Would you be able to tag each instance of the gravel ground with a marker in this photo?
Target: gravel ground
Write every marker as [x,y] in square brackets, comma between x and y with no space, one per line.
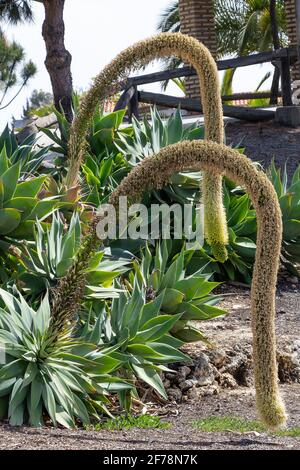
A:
[228,331]
[265,141]
[181,436]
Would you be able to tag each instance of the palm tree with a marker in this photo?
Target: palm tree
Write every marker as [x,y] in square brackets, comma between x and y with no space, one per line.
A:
[242,27]
[58,59]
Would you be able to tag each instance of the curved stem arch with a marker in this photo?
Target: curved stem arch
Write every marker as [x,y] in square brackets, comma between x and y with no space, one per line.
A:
[106,83]
[154,173]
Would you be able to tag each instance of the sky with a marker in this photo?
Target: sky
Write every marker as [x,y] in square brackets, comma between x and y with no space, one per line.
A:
[94,34]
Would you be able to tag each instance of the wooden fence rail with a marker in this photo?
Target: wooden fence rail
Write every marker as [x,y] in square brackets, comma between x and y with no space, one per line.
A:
[283,58]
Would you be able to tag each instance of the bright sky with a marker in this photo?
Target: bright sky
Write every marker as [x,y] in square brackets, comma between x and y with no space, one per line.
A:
[96,30]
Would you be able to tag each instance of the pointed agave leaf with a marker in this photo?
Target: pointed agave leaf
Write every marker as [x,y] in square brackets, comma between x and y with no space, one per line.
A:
[174,273]
[30,374]
[169,353]
[42,317]
[35,392]
[43,209]
[143,351]
[49,401]
[6,386]
[4,162]
[172,299]
[17,396]
[63,418]
[190,335]
[80,410]
[151,377]
[194,287]
[156,328]
[24,205]
[9,220]
[35,413]
[151,309]
[30,188]
[17,416]
[175,128]
[10,179]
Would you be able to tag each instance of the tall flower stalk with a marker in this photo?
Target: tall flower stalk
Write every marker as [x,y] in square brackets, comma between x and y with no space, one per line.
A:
[154,172]
[191,51]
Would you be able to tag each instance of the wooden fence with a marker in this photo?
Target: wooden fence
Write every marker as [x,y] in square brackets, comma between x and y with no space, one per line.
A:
[281,58]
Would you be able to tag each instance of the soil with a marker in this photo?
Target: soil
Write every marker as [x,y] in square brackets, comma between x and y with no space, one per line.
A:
[234,329]
[264,142]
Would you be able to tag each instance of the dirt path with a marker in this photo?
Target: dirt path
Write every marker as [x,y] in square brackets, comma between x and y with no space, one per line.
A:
[225,332]
[181,436]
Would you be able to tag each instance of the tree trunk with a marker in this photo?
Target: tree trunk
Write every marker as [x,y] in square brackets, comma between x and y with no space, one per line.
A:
[58,59]
[276,44]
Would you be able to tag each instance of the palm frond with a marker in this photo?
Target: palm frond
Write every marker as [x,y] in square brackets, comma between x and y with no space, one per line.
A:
[169,21]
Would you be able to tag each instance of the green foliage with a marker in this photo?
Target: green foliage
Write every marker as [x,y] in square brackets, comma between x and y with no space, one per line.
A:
[40,104]
[140,337]
[66,379]
[125,422]
[20,205]
[241,219]
[289,200]
[149,138]
[28,155]
[188,298]
[227,423]
[53,253]
[134,316]
[241,425]
[102,133]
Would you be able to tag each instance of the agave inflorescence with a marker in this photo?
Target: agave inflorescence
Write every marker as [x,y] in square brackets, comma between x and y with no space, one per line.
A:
[155,172]
[148,138]
[143,52]
[242,228]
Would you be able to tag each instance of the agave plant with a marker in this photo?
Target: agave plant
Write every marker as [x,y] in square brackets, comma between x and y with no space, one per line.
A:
[187,296]
[65,380]
[29,156]
[53,253]
[20,205]
[140,334]
[241,219]
[289,200]
[102,133]
[148,139]
[102,176]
